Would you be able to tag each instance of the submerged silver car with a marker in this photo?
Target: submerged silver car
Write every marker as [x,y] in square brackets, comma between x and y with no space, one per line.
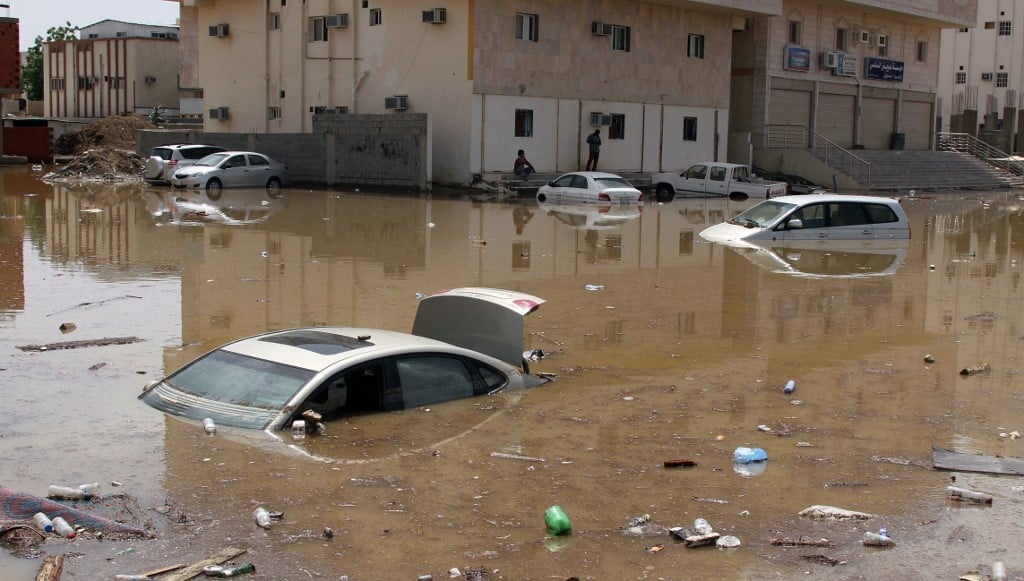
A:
[464,342]
[232,169]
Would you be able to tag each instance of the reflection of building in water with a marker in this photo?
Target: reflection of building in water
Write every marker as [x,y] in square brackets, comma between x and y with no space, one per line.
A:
[13,217]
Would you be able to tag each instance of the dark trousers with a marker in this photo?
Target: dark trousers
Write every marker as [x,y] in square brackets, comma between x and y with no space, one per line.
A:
[592,161]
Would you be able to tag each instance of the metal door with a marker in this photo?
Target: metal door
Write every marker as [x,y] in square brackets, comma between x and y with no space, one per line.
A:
[835,118]
[876,122]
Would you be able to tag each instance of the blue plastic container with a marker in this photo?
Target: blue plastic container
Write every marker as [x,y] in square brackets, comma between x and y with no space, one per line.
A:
[744,455]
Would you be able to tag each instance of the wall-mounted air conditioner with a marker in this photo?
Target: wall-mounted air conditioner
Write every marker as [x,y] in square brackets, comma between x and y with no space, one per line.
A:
[600,28]
[336,21]
[435,16]
[830,60]
[150,79]
[220,113]
[986,76]
[397,103]
[595,119]
[219,30]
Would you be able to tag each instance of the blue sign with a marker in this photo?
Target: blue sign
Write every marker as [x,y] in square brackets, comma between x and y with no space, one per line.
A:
[797,58]
[883,69]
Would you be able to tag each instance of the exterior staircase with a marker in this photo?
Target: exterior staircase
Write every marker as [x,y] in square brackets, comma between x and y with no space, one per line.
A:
[901,170]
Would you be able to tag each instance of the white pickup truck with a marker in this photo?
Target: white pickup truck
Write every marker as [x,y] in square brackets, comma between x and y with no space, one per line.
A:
[715,179]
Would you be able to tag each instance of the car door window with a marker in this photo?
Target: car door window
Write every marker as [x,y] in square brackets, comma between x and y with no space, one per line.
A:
[234,161]
[352,392]
[846,214]
[258,160]
[563,182]
[718,174]
[697,172]
[812,216]
[431,379]
[579,182]
[880,214]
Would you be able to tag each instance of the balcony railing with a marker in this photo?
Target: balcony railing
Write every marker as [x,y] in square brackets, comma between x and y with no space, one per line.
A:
[966,143]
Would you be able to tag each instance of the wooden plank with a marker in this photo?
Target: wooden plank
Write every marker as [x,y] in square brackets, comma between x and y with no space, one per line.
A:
[163,570]
[196,569]
[79,344]
[943,459]
[51,569]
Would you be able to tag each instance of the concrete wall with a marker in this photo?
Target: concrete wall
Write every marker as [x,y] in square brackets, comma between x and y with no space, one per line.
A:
[375,150]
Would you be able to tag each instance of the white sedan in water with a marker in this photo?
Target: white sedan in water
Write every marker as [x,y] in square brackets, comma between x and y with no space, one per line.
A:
[232,169]
[589,186]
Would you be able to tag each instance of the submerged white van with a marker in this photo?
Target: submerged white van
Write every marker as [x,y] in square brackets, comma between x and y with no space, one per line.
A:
[818,217]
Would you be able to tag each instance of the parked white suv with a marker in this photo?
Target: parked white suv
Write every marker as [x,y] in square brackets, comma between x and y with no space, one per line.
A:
[164,160]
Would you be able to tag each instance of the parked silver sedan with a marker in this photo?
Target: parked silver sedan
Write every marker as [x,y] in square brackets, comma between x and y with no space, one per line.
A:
[232,169]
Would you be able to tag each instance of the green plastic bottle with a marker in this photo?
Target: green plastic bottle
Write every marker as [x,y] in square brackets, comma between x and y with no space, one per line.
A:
[235,571]
[558,523]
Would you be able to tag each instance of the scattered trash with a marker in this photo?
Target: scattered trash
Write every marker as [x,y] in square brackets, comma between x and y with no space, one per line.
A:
[790,387]
[328,533]
[764,428]
[67,327]
[655,549]
[62,528]
[967,495]
[208,426]
[454,572]
[680,463]
[312,416]
[132,578]
[533,355]
[299,429]
[557,521]
[824,560]
[593,287]
[229,571]
[427,577]
[96,366]
[943,459]
[832,512]
[43,522]
[262,517]
[751,469]
[845,484]
[975,369]
[727,542]
[714,500]
[639,520]
[421,296]
[804,445]
[797,402]
[516,457]
[1014,435]
[744,455]
[929,358]
[998,571]
[264,254]
[877,540]
[972,576]
[702,527]
[693,540]
[125,551]
[802,542]
[67,493]
[92,488]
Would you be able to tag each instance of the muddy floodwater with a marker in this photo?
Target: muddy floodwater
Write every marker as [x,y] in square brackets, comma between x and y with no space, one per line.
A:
[680,352]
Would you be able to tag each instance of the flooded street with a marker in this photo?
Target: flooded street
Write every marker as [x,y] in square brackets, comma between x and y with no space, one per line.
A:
[681,352]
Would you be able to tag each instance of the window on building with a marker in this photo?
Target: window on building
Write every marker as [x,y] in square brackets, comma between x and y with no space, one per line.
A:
[963,29]
[57,84]
[526,27]
[1002,79]
[85,83]
[689,129]
[273,113]
[990,25]
[794,31]
[922,51]
[318,29]
[841,39]
[620,38]
[376,17]
[274,21]
[117,82]
[618,127]
[524,122]
[883,45]
[93,35]
[1005,27]
[695,46]
[961,78]
[123,34]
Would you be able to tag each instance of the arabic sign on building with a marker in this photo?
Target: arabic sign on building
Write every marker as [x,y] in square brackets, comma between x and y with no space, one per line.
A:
[883,69]
[846,65]
[797,58]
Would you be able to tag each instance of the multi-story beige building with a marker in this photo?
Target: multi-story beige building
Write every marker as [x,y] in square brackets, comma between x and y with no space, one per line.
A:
[853,72]
[113,68]
[494,76]
[982,63]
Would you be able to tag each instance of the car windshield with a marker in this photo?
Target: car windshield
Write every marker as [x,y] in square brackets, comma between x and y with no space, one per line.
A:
[763,215]
[212,159]
[612,183]
[227,377]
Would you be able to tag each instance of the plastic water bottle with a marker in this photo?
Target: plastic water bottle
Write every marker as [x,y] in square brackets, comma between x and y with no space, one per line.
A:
[883,531]
[877,540]
[790,386]
[234,571]
[92,488]
[743,455]
[67,493]
[262,517]
[62,528]
[132,578]
[998,571]
[702,527]
[43,522]
[208,426]
[556,521]
[593,287]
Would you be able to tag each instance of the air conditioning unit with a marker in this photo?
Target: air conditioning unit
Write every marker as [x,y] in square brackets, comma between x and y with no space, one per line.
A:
[435,16]
[150,79]
[335,110]
[600,28]
[862,36]
[397,103]
[219,30]
[882,40]
[220,113]
[606,119]
[336,21]
[986,76]
[595,119]
[830,60]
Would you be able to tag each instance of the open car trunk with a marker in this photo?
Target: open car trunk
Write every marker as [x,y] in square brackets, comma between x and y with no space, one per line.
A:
[486,320]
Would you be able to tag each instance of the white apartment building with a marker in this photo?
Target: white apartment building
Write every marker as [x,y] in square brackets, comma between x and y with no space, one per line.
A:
[982,63]
[113,68]
[494,77]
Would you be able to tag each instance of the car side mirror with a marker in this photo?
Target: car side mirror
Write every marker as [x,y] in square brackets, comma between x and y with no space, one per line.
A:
[795,224]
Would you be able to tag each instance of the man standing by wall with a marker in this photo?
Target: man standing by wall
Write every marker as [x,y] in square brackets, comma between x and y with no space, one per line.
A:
[594,141]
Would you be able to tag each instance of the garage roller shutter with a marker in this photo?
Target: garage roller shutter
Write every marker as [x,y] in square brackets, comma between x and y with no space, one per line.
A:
[788,107]
[835,118]
[916,122]
[876,123]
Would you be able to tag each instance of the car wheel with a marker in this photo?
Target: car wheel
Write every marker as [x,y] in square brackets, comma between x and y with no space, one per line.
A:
[274,185]
[213,189]
[542,197]
[738,196]
[664,193]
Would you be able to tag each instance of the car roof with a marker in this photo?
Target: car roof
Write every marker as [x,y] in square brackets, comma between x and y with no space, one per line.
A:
[317,348]
[805,199]
[235,152]
[185,146]
[593,174]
